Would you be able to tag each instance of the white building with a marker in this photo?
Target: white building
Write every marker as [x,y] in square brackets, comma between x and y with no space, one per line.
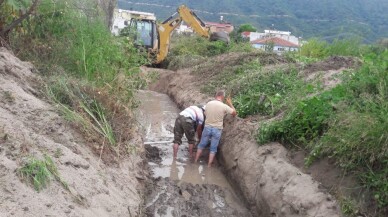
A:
[280,40]
[122,19]
[278,45]
[270,34]
[184,29]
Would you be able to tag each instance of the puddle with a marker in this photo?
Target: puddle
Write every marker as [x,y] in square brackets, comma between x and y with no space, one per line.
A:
[180,187]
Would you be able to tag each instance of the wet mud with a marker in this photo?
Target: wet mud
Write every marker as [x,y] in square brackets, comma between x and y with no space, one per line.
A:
[179,187]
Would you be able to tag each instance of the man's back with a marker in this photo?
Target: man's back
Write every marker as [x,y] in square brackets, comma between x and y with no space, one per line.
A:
[215,112]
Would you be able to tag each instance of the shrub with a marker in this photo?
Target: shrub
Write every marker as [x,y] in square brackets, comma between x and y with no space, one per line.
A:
[314,49]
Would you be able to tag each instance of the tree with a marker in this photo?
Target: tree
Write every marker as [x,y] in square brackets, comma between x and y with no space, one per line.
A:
[246,28]
[269,46]
[108,7]
[13,13]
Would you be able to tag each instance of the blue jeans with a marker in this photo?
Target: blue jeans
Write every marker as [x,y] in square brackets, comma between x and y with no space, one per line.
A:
[211,134]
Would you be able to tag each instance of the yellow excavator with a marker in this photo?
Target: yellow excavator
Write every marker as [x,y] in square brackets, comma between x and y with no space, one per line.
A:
[155,37]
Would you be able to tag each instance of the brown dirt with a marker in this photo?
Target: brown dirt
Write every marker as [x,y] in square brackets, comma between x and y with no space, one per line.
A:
[332,63]
[335,180]
[30,126]
[328,71]
[229,59]
[272,184]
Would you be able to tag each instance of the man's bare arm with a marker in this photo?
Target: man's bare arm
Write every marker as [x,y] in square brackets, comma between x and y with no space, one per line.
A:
[229,103]
[199,131]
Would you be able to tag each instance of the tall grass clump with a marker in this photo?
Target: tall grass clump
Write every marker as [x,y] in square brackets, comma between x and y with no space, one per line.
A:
[77,105]
[40,172]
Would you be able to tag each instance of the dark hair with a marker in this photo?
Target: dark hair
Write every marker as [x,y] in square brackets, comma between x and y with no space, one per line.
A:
[201,107]
[220,93]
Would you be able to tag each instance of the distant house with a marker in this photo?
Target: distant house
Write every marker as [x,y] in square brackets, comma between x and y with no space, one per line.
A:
[220,27]
[122,19]
[281,40]
[184,29]
[279,45]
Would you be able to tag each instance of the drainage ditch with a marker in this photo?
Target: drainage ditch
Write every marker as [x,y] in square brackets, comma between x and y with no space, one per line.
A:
[180,187]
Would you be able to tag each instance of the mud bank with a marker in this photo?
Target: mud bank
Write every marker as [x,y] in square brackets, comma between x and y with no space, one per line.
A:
[270,184]
[31,127]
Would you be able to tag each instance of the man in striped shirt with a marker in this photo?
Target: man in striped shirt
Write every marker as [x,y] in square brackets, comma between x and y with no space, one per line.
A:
[189,120]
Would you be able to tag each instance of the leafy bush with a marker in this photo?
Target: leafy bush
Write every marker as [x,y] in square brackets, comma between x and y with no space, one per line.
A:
[346,47]
[314,48]
[246,28]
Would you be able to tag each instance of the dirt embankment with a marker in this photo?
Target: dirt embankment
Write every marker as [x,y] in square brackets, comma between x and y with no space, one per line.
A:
[29,126]
[270,183]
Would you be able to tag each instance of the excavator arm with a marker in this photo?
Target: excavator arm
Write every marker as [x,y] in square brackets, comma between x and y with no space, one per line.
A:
[165,29]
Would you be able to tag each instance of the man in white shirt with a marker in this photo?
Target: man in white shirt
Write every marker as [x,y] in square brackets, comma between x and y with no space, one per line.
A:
[215,113]
[189,120]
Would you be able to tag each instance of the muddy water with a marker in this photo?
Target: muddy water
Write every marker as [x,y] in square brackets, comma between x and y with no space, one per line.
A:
[180,187]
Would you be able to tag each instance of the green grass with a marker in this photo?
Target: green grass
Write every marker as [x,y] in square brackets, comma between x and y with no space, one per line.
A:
[188,51]
[347,123]
[257,89]
[349,207]
[39,173]
[76,39]
[314,49]
[267,93]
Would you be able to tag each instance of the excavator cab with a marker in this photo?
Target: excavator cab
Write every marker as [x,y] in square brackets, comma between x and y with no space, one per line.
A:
[145,33]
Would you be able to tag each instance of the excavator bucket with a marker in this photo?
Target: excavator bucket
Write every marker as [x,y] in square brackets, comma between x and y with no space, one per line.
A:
[220,36]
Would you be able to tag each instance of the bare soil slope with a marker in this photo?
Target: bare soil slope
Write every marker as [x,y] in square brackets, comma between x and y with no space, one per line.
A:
[271,184]
[29,127]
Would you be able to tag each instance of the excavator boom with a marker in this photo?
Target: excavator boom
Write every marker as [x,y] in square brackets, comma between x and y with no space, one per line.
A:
[165,29]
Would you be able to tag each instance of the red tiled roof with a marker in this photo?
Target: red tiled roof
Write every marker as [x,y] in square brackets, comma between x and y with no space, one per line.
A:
[218,24]
[277,41]
[246,34]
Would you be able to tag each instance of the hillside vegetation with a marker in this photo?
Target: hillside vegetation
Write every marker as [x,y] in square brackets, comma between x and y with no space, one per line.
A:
[87,72]
[329,99]
[304,18]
